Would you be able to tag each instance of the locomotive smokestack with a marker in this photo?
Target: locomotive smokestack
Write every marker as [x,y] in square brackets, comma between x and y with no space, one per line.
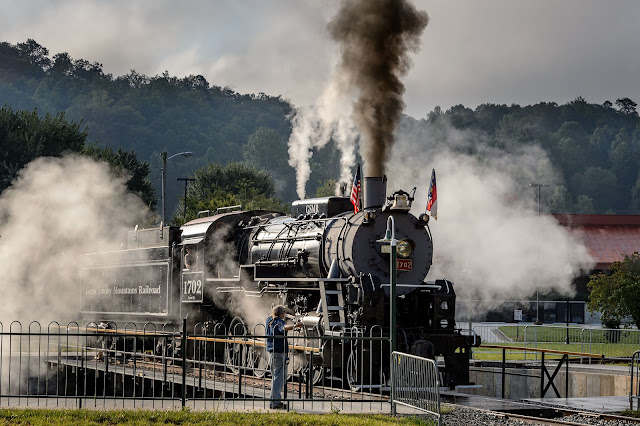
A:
[375,192]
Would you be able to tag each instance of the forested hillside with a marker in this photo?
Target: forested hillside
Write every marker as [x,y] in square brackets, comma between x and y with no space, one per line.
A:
[595,148]
[147,114]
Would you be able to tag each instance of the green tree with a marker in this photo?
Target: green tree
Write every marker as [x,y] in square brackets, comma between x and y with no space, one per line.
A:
[617,294]
[326,189]
[25,136]
[268,150]
[217,186]
[598,184]
[560,201]
[125,164]
[584,205]
[570,147]
[627,106]
[635,195]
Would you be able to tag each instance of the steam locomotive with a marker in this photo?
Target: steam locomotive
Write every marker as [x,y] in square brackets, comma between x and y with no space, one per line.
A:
[328,265]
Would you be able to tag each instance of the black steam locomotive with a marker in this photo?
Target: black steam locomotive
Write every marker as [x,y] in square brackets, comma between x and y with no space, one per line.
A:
[328,265]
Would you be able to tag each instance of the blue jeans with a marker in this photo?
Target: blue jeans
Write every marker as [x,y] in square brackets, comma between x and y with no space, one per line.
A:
[278,373]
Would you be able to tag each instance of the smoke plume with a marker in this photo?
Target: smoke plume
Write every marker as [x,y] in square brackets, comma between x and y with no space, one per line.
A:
[375,37]
[55,211]
[362,101]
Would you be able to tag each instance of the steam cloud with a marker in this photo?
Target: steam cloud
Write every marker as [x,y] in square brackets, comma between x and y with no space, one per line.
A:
[251,310]
[57,210]
[488,238]
[365,92]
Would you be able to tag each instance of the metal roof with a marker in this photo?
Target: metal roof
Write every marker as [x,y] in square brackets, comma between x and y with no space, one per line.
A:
[607,237]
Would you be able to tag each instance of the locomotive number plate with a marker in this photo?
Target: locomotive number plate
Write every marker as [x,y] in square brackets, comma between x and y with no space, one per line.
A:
[404,264]
[192,286]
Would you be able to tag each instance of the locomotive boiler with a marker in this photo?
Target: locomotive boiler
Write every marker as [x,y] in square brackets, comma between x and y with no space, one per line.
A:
[329,265]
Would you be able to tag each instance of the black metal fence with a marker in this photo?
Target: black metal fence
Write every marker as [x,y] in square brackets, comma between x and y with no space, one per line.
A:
[634,388]
[209,366]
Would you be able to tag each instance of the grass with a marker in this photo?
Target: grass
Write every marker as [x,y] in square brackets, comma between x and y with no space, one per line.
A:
[48,417]
[595,342]
[631,413]
[559,334]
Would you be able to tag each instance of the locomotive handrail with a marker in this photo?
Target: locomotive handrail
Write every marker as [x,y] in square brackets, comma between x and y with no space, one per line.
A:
[297,222]
[279,279]
[219,210]
[287,261]
[252,341]
[434,286]
[287,238]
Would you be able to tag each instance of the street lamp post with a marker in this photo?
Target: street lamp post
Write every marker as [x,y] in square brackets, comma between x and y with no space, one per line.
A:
[164,179]
[539,186]
[390,238]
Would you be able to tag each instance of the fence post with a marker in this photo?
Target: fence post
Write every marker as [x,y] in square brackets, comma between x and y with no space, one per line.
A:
[184,362]
[393,383]
[542,376]
[81,374]
[504,365]
[524,338]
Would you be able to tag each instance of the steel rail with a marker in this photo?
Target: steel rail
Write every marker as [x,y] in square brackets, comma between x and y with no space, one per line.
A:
[553,421]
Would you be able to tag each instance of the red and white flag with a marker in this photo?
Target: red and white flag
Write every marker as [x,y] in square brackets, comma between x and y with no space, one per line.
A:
[356,191]
[432,201]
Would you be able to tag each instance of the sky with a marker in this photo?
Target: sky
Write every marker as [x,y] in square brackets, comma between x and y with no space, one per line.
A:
[472,52]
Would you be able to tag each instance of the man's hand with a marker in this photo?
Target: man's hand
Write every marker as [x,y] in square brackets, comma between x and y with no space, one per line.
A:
[292,326]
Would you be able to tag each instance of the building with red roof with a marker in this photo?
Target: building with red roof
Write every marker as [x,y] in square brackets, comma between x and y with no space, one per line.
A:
[607,237]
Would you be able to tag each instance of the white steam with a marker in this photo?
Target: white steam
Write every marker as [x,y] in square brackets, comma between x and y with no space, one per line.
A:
[56,210]
[252,311]
[488,238]
[314,127]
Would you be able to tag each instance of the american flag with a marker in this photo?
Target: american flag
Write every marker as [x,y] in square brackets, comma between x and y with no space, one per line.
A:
[355,192]
[432,201]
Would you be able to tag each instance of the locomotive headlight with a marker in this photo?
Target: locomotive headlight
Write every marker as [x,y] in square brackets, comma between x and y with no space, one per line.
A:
[404,248]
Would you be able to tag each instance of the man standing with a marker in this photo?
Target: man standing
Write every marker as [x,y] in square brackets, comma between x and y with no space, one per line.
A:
[278,348]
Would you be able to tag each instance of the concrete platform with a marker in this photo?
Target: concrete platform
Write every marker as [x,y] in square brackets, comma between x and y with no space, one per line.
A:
[602,404]
[523,380]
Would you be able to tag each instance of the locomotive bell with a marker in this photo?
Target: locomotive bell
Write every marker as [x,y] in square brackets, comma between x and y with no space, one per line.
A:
[401,201]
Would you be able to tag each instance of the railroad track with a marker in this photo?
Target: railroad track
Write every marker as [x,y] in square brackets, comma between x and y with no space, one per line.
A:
[464,415]
[219,377]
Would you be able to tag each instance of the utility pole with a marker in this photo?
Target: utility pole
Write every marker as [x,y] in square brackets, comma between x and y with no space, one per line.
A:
[539,186]
[164,157]
[186,182]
